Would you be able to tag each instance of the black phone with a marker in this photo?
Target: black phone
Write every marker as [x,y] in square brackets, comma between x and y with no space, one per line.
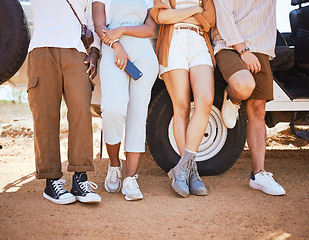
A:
[132,70]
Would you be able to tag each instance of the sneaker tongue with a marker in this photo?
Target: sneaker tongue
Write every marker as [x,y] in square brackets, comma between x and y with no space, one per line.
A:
[83,177]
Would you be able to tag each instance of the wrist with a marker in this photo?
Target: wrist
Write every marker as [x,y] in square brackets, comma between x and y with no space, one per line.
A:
[239,46]
[122,30]
[243,51]
[116,45]
[95,52]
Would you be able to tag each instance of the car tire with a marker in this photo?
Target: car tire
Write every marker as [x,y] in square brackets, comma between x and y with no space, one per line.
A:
[14,38]
[220,147]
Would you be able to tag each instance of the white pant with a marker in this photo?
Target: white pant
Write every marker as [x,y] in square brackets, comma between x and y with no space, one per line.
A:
[125,100]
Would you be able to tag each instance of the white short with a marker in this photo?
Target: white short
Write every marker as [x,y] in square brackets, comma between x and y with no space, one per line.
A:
[187,49]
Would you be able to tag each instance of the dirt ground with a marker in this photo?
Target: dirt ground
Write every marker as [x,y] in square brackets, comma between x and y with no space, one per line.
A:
[231,210]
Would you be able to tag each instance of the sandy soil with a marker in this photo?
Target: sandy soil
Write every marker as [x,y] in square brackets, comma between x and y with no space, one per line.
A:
[231,210]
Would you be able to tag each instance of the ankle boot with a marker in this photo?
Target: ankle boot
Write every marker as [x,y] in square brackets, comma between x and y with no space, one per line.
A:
[196,184]
[181,172]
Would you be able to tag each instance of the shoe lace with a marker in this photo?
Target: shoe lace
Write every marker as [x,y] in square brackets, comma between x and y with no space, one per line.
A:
[132,183]
[87,186]
[114,176]
[59,186]
[185,170]
[268,177]
[194,176]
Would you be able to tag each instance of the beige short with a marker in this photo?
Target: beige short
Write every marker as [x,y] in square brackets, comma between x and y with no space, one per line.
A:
[229,63]
[187,49]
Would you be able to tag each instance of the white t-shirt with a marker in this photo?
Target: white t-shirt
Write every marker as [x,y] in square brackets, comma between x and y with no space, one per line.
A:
[55,24]
[181,4]
[107,4]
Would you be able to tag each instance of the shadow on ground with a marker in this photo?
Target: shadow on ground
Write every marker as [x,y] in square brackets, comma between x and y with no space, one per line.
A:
[230,211]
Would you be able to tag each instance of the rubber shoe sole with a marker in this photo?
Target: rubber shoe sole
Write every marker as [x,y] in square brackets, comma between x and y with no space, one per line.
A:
[60,201]
[91,199]
[261,188]
[132,198]
[111,190]
[198,192]
[178,190]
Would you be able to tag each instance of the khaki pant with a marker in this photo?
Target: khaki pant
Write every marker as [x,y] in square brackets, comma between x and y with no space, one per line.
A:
[53,73]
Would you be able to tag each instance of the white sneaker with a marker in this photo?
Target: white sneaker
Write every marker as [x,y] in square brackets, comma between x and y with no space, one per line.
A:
[264,181]
[229,112]
[112,180]
[130,188]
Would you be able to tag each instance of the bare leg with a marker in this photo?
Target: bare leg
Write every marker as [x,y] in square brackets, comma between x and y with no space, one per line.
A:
[256,133]
[202,83]
[113,153]
[132,159]
[132,163]
[240,86]
[178,87]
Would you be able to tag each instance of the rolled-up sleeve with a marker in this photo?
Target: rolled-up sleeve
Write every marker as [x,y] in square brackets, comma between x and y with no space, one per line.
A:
[226,23]
[97,41]
[207,18]
[157,6]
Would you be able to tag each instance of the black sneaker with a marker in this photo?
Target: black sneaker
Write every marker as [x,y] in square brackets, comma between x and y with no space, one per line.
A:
[56,192]
[82,189]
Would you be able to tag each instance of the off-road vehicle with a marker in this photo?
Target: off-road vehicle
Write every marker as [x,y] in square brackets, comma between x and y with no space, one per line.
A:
[220,147]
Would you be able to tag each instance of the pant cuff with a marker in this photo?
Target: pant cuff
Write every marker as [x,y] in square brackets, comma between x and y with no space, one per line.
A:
[50,175]
[72,168]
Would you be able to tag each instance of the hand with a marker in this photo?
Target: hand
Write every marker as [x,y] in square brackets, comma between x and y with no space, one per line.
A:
[121,56]
[101,33]
[167,2]
[198,9]
[111,35]
[92,61]
[252,62]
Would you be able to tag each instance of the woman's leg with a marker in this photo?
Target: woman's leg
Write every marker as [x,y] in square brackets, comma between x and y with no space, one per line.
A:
[132,163]
[113,154]
[202,84]
[178,86]
[139,97]
[114,101]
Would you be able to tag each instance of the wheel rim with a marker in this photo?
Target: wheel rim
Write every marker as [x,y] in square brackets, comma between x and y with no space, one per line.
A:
[214,137]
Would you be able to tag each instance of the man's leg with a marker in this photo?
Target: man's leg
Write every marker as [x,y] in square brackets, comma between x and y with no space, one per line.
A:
[44,94]
[256,138]
[240,84]
[256,129]
[77,94]
[256,133]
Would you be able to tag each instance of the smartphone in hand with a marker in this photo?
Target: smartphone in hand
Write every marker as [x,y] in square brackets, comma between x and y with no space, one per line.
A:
[132,70]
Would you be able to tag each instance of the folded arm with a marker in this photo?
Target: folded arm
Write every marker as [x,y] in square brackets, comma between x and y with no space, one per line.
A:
[145,30]
[207,19]
[163,13]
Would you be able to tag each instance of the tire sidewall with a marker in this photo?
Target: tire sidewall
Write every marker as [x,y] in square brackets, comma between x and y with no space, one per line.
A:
[160,114]
[14,38]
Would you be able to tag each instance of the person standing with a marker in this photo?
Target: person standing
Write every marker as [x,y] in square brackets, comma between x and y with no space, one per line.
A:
[58,66]
[244,40]
[186,63]
[124,102]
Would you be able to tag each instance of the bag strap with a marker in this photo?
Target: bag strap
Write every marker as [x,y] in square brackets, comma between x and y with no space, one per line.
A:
[75,13]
